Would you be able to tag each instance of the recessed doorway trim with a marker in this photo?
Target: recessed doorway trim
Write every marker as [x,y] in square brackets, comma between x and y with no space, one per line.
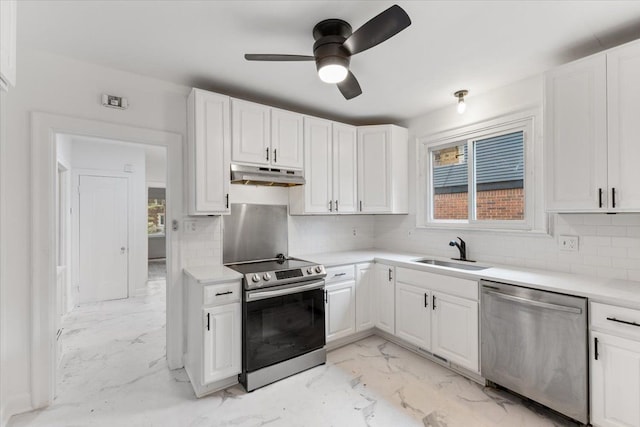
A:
[44,128]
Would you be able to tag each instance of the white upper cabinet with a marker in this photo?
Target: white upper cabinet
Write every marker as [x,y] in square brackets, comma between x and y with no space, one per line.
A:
[382,169]
[330,162]
[345,162]
[265,136]
[286,139]
[209,149]
[590,131]
[8,21]
[251,133]
[623,93]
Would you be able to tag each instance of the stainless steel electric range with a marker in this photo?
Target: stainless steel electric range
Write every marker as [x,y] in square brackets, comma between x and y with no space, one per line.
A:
[283,318]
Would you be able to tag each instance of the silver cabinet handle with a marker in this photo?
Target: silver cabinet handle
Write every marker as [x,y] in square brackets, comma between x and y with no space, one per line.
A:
[336,206]
[330,205]
[535,303]
[339,274]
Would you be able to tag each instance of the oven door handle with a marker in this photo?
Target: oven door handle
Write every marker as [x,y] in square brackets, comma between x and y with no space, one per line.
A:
[260,294]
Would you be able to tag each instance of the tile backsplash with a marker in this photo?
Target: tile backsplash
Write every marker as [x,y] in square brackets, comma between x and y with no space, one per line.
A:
[315,234]
[609,245]
[204,246]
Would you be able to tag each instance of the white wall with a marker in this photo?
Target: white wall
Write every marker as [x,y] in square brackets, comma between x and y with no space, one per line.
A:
[50,83]
[156,166]
[89,156]
[609,244]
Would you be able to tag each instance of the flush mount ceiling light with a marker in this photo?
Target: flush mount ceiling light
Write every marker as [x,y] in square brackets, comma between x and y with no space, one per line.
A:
[460,95]
[336,42]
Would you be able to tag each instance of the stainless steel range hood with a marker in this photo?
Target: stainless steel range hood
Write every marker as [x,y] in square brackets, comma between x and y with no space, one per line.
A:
[250,175]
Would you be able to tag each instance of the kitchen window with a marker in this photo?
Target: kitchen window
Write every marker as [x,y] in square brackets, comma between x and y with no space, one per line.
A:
[479,177]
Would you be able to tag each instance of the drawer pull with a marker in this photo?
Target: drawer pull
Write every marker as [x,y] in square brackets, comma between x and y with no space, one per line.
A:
[339,274]
[224,293]
[613,319]
[595,350]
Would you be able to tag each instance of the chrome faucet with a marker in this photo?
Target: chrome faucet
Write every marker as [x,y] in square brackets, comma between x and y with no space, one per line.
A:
[462,247]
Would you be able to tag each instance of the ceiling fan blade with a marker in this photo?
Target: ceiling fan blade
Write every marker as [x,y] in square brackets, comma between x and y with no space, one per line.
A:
[380,28]
[349,87]
[270,57]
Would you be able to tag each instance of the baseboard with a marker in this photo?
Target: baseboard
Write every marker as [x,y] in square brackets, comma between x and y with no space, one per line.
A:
[13,406]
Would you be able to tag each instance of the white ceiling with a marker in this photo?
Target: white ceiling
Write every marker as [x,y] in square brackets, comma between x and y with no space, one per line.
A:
[451,45]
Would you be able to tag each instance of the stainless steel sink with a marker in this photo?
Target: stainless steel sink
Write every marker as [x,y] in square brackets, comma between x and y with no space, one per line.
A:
[449,264]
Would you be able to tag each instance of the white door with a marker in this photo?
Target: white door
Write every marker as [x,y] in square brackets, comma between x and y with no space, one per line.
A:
[365,285]
[221,358]
[615,382]
[454,333]
[287,139]
[623,91]
[576,133]
[251,133]
[345,168]
[374,168]
[385,298]
[103,238]
[413,315]
[317,165]
[340,311]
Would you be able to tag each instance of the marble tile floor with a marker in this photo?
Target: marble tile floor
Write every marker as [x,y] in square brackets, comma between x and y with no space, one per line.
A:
[114,374]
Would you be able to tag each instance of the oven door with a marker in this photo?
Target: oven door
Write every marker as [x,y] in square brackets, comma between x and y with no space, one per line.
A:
[282,323]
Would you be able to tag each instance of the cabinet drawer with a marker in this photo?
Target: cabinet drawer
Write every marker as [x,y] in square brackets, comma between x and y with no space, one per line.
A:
[619,320]
[339,274]
[221,294]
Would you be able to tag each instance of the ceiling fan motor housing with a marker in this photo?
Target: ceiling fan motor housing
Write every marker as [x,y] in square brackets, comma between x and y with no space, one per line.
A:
[329,49]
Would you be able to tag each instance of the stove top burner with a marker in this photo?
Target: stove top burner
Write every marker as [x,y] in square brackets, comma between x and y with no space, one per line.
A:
[277,271]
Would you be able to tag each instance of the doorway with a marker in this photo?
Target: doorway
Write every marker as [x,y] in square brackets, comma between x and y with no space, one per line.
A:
[47,128]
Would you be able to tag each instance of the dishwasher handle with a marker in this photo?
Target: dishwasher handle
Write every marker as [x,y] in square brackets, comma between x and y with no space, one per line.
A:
[541,304]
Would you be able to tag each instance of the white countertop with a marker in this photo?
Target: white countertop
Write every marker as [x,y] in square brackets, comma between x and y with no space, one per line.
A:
[613,291]
[212,274]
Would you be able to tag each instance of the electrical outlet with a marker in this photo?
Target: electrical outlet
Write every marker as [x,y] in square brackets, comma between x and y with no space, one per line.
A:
[568,243]
[190,226]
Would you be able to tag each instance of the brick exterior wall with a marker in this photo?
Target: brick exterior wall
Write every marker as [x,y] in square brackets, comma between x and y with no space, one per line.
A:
[492,205]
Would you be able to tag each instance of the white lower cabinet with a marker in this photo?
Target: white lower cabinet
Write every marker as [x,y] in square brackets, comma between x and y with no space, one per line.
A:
[384,300]
[436,321]
[340,309]
[615,366]
[455,329]
[214,331]
[413,323]
[365,286]
[222,346]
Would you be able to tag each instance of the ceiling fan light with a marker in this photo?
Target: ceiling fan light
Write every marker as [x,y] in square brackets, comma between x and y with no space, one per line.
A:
[333,73]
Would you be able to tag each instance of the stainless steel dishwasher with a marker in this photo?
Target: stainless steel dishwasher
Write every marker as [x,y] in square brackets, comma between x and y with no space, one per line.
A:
[535,344]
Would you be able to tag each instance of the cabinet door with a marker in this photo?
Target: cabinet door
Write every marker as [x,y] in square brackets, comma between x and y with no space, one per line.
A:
[576,135]
[365,283]
[615,381]
[385,298]
[345,166]
[413,314]
[317,165]
[222,329]
[374,168]
[8,22]
[340,312]
[455,330]
[286,139]
[209,152]
[251,133]
[623,92]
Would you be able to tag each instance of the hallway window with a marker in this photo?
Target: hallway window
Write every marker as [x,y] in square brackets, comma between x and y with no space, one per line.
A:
[156,209]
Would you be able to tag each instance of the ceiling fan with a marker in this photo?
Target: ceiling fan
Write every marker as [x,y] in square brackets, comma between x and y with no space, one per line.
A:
[336,43]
